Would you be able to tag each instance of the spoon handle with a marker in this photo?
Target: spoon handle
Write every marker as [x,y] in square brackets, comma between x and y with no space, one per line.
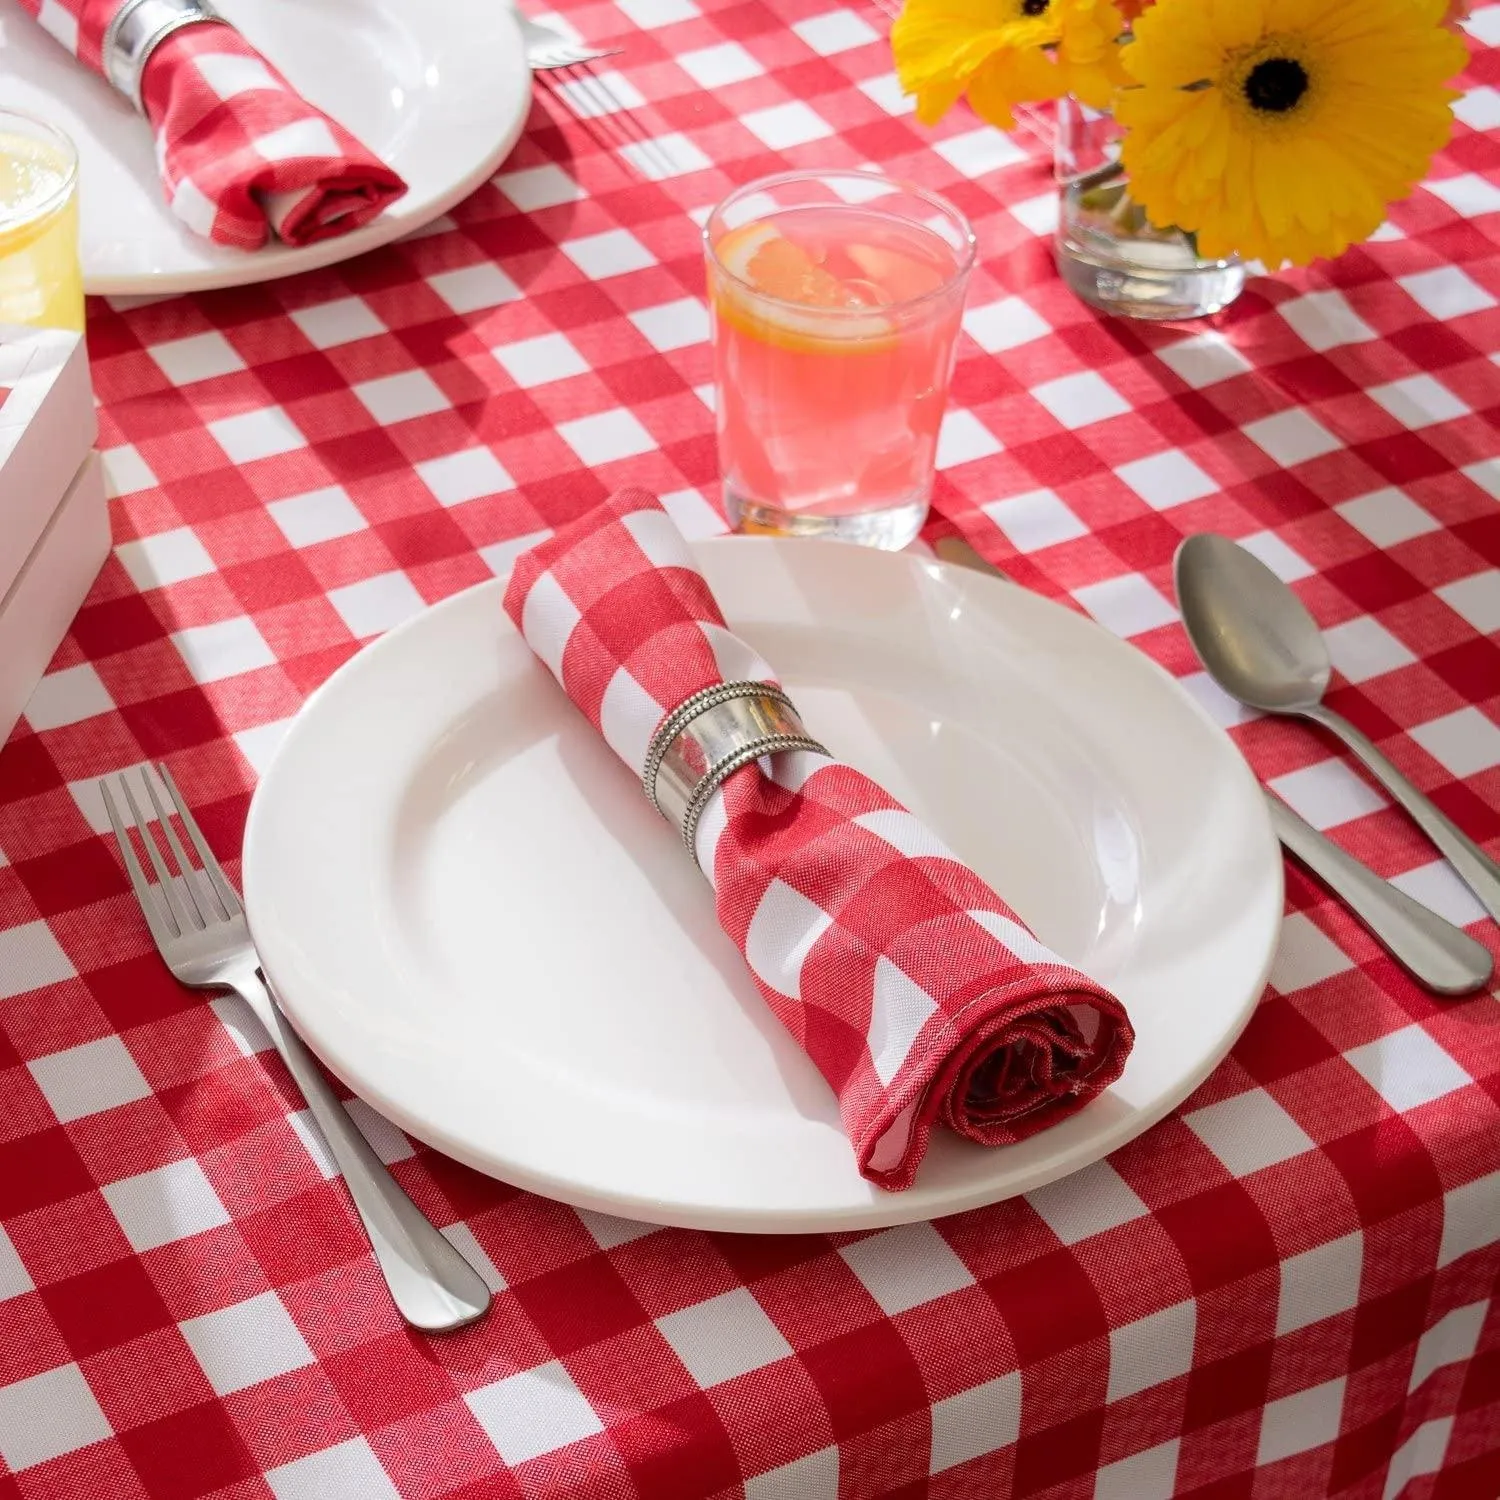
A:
[1477,870]
[1433,951]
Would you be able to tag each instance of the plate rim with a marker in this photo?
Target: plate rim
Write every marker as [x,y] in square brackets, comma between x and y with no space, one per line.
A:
[886,1209]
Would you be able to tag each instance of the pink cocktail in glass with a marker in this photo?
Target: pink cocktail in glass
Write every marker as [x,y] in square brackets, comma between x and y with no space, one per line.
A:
[836,300]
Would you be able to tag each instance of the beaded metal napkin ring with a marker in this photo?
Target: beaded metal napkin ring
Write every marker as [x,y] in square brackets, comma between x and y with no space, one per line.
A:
[710,736]
[136,30]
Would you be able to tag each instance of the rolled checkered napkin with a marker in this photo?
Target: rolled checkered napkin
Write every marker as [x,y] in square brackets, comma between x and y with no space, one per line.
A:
[915,989]
[242,155]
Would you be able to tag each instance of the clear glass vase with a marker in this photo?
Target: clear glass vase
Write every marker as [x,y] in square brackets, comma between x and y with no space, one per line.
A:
[1108,251]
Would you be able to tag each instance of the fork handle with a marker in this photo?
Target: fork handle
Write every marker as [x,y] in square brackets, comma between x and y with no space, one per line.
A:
[433,1286]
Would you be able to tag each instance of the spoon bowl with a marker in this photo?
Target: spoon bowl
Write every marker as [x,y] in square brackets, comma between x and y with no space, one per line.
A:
[1250,630]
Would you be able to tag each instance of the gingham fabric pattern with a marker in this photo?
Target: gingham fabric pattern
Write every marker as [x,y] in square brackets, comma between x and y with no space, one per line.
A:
[242,155]
[917,992]
[1285,1290]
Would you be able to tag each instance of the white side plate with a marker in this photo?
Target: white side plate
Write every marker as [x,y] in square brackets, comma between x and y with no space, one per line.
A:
[439,91]
[473,915]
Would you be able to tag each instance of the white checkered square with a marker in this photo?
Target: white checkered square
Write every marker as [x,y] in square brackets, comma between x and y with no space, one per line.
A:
[377,604]
[1128,605]
[534,188]
[257,434]
[200,356]
[1468,194]
[1306,955]
[399,398]
[308,137]
[1363,648]
[170,1203]
[474,288]
[715,67]
[1407,1068]
[125,471]
[662,156]
[963,438]
[1387,517]
[1152,1350]
[67,696]
[975,1422]
[784,125]
[1167,479]
[1437,886]
[1463,743]
[1292,437]
[673,325]
[1081,400]
[1035,520]
[1300,1422]
[904,1267]
[1479,109]
[1320,1283]
[1249,1132]
[649,14]
[1419,401]
[1328,793]
[835,31]
[344,320]
[1454,1337]
[166,558]
[1324,321]
[1287,564]
[1422,1453]
[1446,293]
[48,1415]
[224,649]
[1476,598]
[606,436]
[540,360]
[535,1412]
[815,1477]
[612,253]
[1006,324]
[348,1469]
[724,1337]
[469,474]
[1151,1475]
[84,1080]
[242,1345]
[884,91]
[1203,360]
[318,516]
[979,151]
[14,1279]
[1470,1214]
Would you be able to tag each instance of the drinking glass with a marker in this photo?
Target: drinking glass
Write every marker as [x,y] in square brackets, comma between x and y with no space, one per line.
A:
[41,282]
[836,301]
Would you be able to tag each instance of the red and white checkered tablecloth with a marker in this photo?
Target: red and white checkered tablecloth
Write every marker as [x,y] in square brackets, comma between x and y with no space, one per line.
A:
[1287,1289]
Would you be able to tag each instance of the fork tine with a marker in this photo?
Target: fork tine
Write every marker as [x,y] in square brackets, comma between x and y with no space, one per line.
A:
[156,919]
[211,866]
[204,909]
[174,902]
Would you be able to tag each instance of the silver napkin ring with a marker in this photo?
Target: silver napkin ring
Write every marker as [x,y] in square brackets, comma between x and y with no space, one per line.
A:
[135,32]
[709,737]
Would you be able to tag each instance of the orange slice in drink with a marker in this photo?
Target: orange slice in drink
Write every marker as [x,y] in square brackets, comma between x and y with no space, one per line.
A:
[761,259]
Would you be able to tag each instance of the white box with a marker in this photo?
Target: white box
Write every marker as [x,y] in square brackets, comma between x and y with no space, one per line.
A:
[47,427]
[38,607]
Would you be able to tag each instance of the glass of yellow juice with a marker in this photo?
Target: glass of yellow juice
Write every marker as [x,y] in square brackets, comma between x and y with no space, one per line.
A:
[41,280]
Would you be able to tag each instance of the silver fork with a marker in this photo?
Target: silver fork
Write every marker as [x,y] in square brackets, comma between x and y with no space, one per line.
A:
[202,935]
[547,48]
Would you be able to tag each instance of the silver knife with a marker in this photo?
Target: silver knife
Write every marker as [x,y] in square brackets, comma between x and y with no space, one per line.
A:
[1438,955]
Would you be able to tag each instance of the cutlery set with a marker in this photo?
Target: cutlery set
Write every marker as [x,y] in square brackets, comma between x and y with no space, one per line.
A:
[1259,644]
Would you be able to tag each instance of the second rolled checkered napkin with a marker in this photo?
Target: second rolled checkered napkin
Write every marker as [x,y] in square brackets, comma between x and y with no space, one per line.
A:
[916,990]
[242,155]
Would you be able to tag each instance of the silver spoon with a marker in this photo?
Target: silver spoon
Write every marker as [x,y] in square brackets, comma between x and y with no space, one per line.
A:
[1261,646]
[1432,950]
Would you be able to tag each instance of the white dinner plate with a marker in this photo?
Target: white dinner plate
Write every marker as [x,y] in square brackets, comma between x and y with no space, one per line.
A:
[473,915]
[439,91]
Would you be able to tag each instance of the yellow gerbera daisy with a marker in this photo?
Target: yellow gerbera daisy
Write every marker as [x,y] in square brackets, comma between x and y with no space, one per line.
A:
[1281,129]
[1005,52]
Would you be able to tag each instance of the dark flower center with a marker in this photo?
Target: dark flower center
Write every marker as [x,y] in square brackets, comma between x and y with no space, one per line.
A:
[1276,85]
[1034,7]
